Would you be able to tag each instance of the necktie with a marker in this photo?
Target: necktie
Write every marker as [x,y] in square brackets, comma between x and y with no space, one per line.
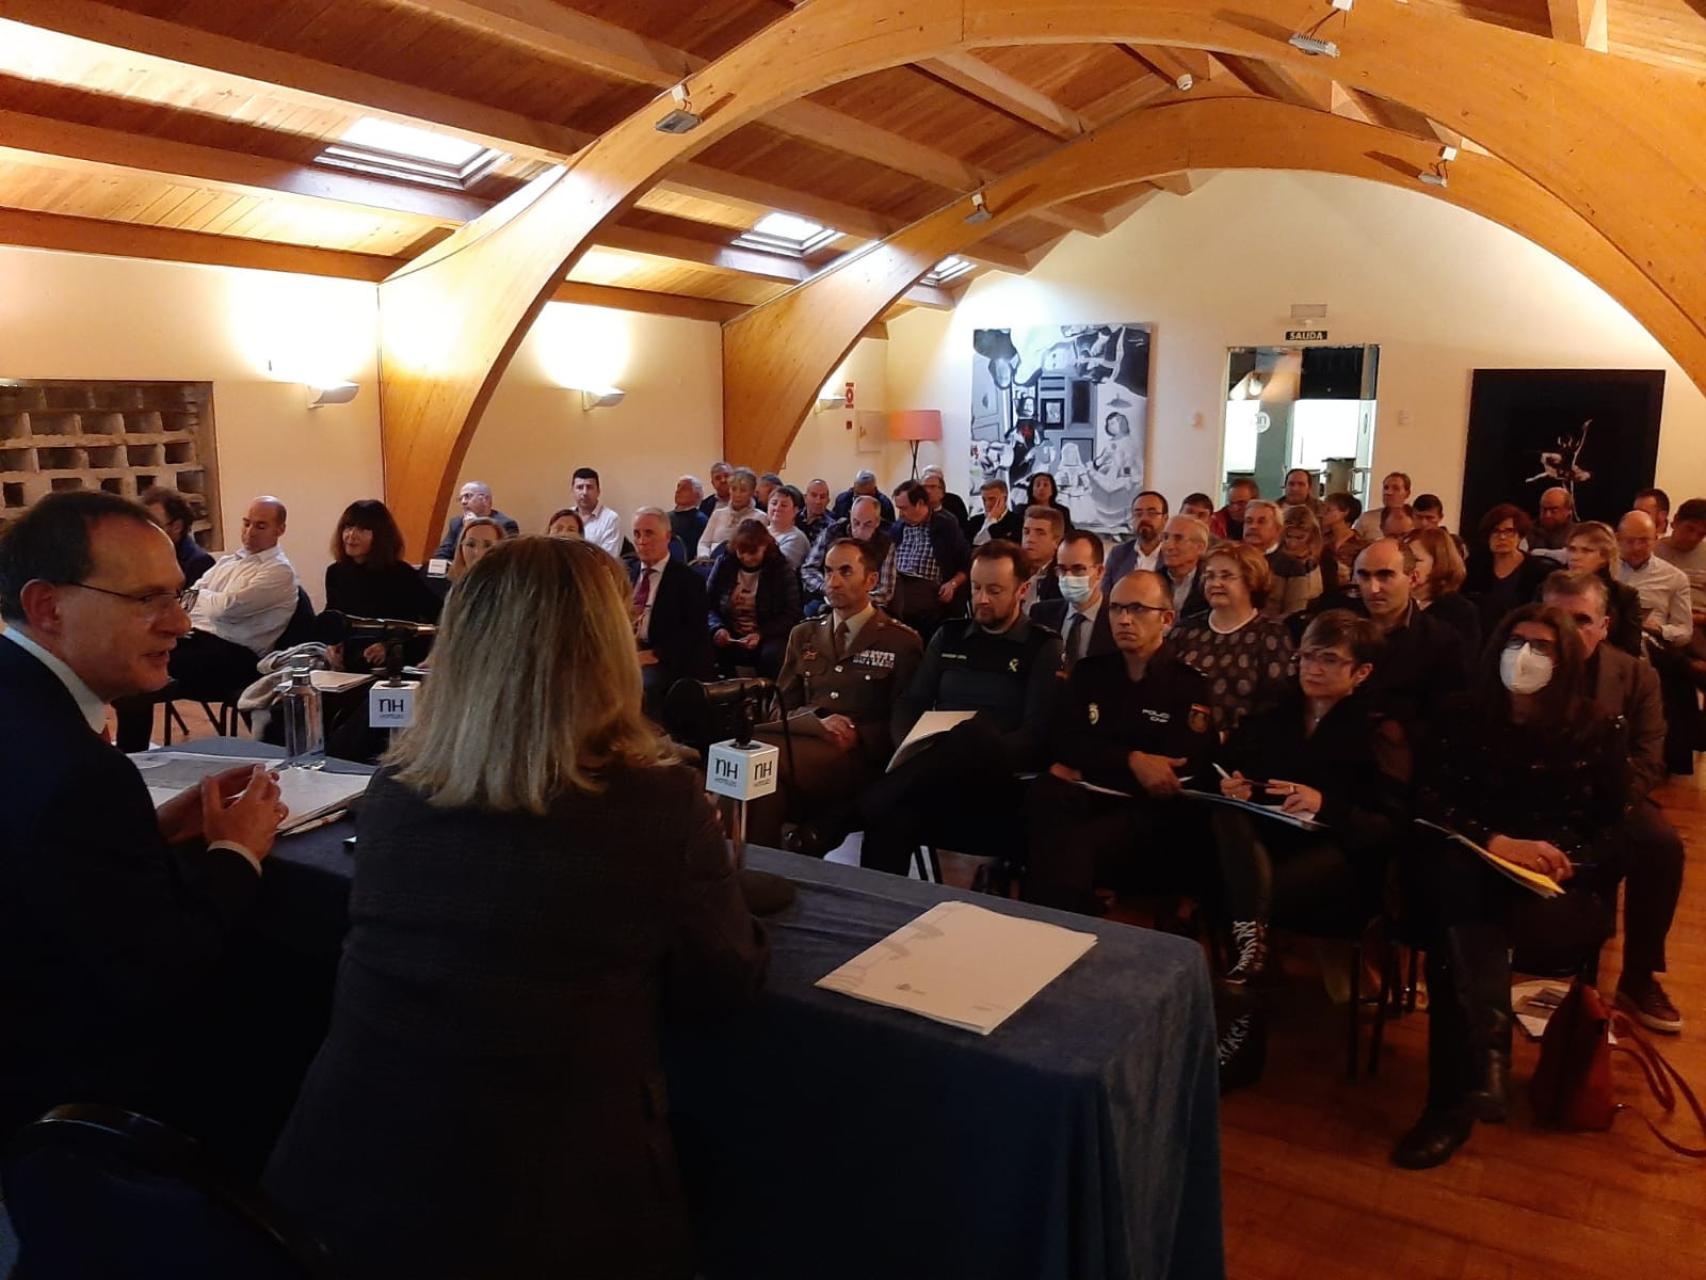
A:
[643,590]
[841,635]
[1074,631]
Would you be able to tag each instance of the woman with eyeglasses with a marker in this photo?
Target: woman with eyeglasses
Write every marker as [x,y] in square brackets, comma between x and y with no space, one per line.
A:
[1526,767]
[1592,548]
[1317,755]
[1246,657]
[1506,576]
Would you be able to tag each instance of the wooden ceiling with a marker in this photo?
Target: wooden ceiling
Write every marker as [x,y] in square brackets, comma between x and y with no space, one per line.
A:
[189,129]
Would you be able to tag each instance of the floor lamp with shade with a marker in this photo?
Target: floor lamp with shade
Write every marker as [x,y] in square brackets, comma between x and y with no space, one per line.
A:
[914,425]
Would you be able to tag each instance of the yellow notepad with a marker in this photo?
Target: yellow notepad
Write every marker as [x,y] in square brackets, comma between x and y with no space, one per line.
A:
[1533,881]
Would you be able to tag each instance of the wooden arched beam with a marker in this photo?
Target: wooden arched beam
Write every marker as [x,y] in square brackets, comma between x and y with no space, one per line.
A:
[1615,140]
[776,356]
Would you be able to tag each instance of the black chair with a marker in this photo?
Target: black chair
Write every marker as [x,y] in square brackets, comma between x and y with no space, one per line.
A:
[97,1192]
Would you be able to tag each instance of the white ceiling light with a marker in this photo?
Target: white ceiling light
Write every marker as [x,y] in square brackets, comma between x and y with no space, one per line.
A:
[784,233]
[949,268]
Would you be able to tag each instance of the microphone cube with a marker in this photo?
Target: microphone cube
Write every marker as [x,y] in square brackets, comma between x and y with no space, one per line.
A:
[742,773]
[392,706]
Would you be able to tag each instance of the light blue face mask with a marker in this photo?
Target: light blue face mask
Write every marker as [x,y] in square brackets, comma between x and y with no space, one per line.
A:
[1074,589]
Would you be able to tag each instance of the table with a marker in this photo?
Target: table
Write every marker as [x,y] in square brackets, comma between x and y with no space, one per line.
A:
[825,1137]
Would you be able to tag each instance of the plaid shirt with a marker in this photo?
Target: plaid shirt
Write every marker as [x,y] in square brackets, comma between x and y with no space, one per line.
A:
[915,554]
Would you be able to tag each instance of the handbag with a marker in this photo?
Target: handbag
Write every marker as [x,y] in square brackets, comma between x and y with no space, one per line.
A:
[1571,1087]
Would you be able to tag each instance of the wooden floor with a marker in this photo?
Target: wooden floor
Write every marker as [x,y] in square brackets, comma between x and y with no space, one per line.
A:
[1309,1192]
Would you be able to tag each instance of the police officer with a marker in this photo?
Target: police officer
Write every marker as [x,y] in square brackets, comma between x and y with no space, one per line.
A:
[838,683]
[956,788]
[1135,721]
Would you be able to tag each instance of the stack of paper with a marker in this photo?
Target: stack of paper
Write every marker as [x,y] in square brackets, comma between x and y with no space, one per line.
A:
[962,965]
[927,726]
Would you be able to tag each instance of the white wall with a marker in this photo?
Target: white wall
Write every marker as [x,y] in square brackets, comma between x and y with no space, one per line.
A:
[65,315]
[1442,292]
[535,432]
[827,447]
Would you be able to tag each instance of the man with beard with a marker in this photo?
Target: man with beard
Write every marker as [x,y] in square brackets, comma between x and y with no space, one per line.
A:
[1143,549]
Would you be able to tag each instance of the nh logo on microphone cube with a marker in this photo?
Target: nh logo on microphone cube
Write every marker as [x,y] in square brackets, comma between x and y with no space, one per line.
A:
[392,706]
[742,773]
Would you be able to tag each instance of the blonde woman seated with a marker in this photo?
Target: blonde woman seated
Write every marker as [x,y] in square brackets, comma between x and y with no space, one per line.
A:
[538,887]
[1302,541]
[479,536]
[1592,548]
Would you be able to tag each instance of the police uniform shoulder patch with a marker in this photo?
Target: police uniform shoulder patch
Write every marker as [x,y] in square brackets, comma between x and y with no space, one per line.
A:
[1199,718]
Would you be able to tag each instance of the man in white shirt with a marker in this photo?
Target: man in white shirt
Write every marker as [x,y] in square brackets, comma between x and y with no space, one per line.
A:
[1394,492]
[1666,611]
[603,526]
[112,912]
[1143,549]
[241,607]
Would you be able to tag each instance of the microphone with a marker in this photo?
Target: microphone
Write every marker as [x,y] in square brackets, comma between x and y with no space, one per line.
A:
[346,623]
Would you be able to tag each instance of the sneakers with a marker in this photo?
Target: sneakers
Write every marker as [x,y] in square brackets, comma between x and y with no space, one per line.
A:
[1242,1050]
[1646,1002]
[1250,938]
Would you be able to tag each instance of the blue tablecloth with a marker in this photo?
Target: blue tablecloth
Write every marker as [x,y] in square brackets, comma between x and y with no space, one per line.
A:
[824,1137]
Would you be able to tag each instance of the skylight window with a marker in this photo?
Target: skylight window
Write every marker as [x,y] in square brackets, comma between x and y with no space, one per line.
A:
[949,268]
[389,150]
[786,234]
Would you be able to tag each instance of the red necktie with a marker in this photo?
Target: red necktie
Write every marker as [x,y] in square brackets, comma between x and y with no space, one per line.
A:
[643,589]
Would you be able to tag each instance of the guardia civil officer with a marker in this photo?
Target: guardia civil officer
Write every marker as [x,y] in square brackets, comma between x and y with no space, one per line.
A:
[839,680]
[961,788]
[1138,722]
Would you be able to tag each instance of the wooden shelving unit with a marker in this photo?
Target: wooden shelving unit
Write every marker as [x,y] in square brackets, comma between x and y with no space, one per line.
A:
[123,437]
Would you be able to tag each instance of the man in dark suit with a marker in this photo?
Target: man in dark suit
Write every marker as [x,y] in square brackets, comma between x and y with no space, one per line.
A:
[112,913]
[668,604]
[864,486]
[999,519]
[476,500]
[1652,851]
[1079,616]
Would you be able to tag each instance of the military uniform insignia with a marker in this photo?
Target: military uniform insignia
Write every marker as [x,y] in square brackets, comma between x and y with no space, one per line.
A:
[1013,665]
[1095,714]
[1199,718]
[808,654]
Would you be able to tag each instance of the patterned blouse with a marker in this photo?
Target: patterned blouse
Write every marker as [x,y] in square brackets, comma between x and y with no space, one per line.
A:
[1249,669]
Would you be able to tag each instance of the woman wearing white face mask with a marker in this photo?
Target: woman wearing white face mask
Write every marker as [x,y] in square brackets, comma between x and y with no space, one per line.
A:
[1527,768]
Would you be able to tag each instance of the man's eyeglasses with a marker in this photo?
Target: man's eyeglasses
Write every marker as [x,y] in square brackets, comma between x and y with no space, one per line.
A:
[154,604]
[1134,610]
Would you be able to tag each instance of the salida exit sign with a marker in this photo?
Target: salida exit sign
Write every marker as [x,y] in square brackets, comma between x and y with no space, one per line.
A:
[1306,335]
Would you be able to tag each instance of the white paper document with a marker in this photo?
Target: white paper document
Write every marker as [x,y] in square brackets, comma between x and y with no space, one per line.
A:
[1305,820]
[929,725]
[961,964]
[310,794]
[338,681]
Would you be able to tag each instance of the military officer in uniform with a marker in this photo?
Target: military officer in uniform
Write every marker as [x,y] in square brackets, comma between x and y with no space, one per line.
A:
[958,787]
[839,678]
[1137,722]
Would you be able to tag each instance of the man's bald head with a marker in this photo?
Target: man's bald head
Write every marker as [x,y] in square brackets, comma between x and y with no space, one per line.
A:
[1142,586]
[1635,535]
[1383,580]
[1140,610]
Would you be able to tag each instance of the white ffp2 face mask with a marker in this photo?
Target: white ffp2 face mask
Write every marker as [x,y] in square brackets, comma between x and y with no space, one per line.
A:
[1524,671]
[1074,588]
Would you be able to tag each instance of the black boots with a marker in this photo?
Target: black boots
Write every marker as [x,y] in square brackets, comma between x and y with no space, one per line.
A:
[1469,1044]
[1434,1138]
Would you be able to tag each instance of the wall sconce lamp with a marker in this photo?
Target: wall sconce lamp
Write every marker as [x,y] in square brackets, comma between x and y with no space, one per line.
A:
[827,403]
[601,397]
[336,393]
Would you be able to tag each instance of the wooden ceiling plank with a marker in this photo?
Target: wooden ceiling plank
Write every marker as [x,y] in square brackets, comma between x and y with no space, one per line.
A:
[246,172]
[1172,64]
[128,240]
[727,258]
[1176,184]
[1579,22]
[551,29]
[643,300]
[695,178]
[971,75]
[1353,105]
[258,68]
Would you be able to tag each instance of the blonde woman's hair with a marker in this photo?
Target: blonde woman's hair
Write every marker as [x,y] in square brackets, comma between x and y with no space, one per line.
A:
[1600,536]
[459,566]
[535,688]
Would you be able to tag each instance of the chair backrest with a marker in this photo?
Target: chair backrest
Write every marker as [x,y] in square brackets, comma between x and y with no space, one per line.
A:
[96,1191]
[300,628]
